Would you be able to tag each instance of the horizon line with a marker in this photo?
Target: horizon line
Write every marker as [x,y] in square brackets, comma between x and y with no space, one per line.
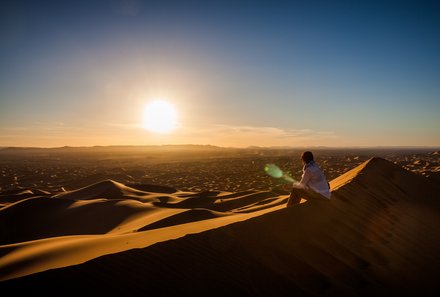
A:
[230,147]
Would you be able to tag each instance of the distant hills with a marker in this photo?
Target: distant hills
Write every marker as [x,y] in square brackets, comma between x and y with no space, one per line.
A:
[205,147]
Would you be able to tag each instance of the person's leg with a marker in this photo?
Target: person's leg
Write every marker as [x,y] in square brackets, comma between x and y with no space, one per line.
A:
[295,196]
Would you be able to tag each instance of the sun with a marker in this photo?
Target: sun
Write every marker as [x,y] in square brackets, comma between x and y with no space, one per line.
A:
[160,116]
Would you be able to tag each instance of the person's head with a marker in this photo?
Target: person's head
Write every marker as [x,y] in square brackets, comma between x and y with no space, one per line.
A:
[306,157]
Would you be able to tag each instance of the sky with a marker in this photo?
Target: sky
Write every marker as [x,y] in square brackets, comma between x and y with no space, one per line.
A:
[238,73]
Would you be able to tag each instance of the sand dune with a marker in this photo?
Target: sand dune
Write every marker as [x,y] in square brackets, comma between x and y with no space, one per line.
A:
[375,237]
[55,230]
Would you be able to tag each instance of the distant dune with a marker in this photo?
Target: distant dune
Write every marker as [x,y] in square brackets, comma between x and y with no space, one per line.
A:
[377,236]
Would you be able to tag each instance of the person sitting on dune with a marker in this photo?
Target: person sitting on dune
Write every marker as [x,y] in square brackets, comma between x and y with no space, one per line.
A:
[313,183]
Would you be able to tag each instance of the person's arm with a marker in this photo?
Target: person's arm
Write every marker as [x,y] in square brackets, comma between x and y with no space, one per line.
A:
[307,175]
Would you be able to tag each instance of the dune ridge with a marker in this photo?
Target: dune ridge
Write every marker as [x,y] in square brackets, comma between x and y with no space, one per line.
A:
[57,230]
[376,236]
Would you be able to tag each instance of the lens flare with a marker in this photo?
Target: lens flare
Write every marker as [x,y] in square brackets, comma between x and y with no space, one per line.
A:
[274,171]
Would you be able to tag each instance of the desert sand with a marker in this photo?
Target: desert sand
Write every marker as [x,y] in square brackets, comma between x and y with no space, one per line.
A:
[209,221]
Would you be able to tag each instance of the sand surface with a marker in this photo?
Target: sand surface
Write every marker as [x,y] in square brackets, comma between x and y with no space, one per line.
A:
[123,236]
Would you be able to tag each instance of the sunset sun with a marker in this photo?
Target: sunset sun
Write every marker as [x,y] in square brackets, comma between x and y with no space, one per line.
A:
[160,116]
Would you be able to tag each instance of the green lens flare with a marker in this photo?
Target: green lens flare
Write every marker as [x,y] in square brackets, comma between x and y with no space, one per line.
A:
[274,171]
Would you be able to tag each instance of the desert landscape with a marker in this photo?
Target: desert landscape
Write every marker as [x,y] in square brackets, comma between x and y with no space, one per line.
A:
[206,220]
[150,148]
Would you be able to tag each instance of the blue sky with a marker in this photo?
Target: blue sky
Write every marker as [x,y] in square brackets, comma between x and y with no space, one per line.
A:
[240,73]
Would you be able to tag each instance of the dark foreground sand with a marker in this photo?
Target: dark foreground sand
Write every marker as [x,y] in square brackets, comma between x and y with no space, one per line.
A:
[377,236]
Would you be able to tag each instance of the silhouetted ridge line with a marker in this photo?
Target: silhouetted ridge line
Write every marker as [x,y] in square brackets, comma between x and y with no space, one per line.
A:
[104,189]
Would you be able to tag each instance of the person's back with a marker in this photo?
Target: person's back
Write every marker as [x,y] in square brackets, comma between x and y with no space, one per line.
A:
[313,179]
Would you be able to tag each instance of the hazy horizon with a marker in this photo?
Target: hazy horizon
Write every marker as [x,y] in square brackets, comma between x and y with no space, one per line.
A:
[238,73]
[225,147]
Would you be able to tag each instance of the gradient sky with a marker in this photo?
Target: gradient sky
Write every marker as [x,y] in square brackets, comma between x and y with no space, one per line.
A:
[240,73]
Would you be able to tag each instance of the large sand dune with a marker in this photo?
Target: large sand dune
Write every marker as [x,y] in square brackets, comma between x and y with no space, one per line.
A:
[376,236]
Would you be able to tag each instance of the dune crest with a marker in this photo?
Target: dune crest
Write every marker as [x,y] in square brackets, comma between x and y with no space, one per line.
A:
[105,189]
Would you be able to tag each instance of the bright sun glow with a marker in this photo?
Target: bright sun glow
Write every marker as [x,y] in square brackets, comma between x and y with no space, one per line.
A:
[160,116]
